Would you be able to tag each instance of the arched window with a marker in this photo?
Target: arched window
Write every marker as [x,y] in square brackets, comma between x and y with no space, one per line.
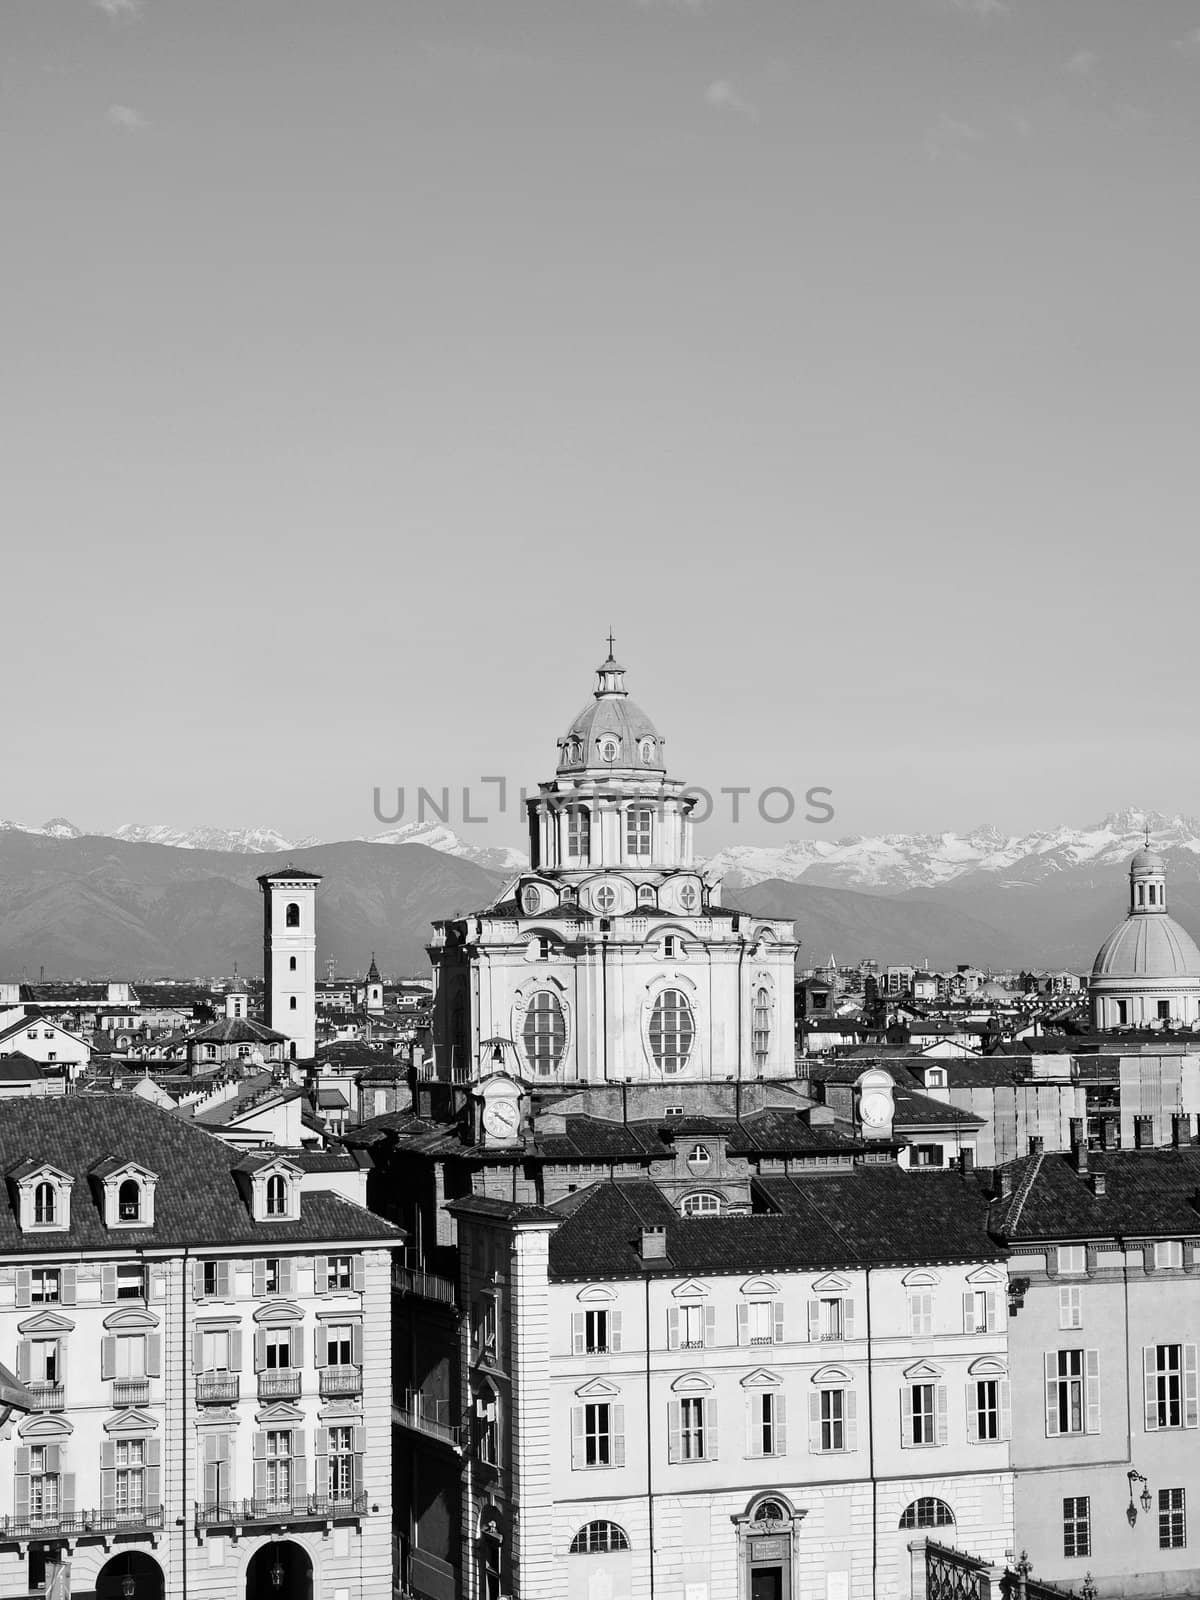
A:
[277,1195]
[129,1200]
[698,1156]
[545,1032]
[647,750]
[609,748]
[700,1205]
[770,1511]
[927,1513]
[291,963]
[761,1028]
[579,833]
[45,1203]
[639,832]
[292,1003]
[645,894]
[599,1539]
[672,1031]
[292,915]
[1141,894]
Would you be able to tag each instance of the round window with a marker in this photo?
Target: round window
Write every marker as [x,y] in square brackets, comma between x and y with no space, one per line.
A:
[531,900]
[606,897]
[610,748]
[688,896]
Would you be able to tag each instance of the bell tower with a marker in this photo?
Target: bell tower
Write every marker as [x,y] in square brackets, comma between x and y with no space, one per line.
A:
[290,956]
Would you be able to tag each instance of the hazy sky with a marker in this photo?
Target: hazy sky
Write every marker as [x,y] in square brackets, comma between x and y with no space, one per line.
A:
[364,361]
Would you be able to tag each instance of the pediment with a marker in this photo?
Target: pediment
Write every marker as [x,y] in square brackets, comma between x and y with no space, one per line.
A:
[920,1278]
[45,1322]
[597,1387]
[692,1383]
[831,1375]
[831,1283]
[760,1378]
[43,1427]
[279,1311]
[595,1291]
[692,1289]
[922,1370]
[988,1367]
[988,1275]
[131,1318]
[132,1420]
[280,1412]
[760,1286]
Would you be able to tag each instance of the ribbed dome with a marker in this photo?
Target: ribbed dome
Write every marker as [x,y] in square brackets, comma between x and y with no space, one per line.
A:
[612,731]
[1148,947]
[1147,860]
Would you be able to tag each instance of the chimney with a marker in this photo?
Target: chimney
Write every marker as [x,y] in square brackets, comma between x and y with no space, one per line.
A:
[1079,1156]
[1181,1129]
[1036,1144]
[1111,1130]
[1099,1185]
[1143,1132]
[966,1160]
[1004,1183]
[654,1244]
[1077,1131]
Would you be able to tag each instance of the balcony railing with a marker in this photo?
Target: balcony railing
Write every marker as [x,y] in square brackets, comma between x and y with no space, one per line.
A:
[340,1381]
[49,1396]
[81,1523]
[236,1513]
[131,1391]
[424,1285]
[279,1384]
[218,1388]
[424,1414]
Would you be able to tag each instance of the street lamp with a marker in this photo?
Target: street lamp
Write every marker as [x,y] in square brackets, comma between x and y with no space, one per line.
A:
[277,1574]
[1135,1476]
[129,1586]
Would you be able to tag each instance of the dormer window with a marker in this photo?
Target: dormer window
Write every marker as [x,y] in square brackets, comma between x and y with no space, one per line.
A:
[43,1196]
[45,1205]
[645,894]
[129,1201]
[647,750]
[609,748]
[127,1193]
[277,1195]
[274,1189]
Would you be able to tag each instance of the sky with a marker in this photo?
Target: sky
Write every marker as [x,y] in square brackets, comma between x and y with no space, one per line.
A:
[364,362]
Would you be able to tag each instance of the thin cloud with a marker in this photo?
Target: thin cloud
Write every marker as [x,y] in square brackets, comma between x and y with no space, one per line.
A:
[721,95]
[1190,41]
[127,119]
[119,10]
[1081,65]
[950,138]
[691,8]
[981,10]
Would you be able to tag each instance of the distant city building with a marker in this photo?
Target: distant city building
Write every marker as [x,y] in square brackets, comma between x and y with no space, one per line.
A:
[290,956]
[1147,972]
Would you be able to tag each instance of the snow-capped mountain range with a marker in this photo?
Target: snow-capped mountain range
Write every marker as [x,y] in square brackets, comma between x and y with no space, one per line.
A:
[888,863]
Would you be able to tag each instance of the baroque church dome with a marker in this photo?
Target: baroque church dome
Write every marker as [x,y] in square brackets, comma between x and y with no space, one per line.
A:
[1147,972]
[1148,947]
[612,732]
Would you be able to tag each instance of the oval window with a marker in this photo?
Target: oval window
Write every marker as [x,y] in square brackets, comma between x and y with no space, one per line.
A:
[531,900]
[606,897]
[545,1033]
[672,1030]
[610,748]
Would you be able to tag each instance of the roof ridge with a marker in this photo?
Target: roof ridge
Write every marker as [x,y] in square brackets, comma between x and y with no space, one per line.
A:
[1023,1192]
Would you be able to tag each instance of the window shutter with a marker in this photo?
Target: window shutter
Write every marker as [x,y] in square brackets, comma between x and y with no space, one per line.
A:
[356,1344]
[153,1355]
[1150,1387]
[197,1350]
[66,1496]
[108,1356]
[991,1302]
[578,1333]
[299,1468]
[753,1434]
[24,1286]
[814,1423]
[198,1280]
[673,1328]
[577,1458]
[359,1489]
[21,1483]
[972,1413]
[321,1346]
[60,1360]
[68,1286]
[674,1432]
[358,1274]
[1051,1368]
[780,1423]
[617,1413]
[235,1350]
[1005,1409]
[108,1282]
[24,1360]
[743,1322]
[850,1413]
[287,1275]
[296,1344]
[225,1280]
[321,1274]
[211,1469]
[814,1320]
[968,1312]
[260,1349]
[259,1272]
[1191,1407]
[1092,1367]
[906,1416]
[108,1475]
[777,1318]
[1148,1257]
[260,1465]
[321,1465]
[848,1319]
[154,1472]
[710,1327]
[710,1428]
[942,1401]
[614,1332]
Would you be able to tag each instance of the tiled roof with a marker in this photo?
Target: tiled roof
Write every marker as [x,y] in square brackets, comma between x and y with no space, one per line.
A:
[284,874]
[197,1199]
[911,1109]
[1147,1193]
[873,1216]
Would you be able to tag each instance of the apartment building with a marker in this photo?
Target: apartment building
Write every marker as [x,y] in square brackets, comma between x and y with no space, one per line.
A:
[207,1335]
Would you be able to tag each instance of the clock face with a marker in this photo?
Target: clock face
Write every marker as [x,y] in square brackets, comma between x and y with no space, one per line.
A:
[875,1109]
[500,1118]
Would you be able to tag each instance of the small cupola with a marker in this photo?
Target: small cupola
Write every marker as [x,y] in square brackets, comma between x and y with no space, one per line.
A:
[1147,883]
[125,1192]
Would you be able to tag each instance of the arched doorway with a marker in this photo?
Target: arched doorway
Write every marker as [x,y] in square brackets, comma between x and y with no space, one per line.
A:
[130,1576]
[279,1571]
